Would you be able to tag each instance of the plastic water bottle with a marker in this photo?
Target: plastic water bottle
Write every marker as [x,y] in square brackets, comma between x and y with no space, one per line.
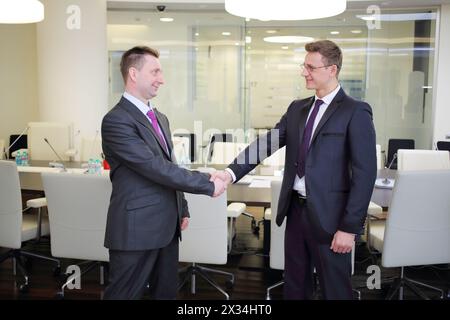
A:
[91,166]
[98,167]
[25,158]
[19,158]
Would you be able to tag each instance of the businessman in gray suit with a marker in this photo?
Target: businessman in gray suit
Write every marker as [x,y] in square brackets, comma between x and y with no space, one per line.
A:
[147,210]
[329,174]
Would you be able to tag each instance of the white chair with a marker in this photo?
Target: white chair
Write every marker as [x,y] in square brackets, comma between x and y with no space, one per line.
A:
[205,240]
[15,227]
[418,226]
[225,152]
[2,149]
[181,150]
[77,207]
[91,148]
[59,135]
[423,160]
[380,160]
[276,255]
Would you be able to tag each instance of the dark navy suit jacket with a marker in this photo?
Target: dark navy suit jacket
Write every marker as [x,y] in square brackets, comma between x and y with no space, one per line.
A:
[340,165]
[146,202]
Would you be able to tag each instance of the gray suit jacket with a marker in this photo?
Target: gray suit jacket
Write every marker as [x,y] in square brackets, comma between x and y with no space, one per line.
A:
[147,201]
[340,169]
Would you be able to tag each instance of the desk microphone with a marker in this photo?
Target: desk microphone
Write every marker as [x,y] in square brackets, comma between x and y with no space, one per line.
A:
[59,164]
[387,183]
[15,141]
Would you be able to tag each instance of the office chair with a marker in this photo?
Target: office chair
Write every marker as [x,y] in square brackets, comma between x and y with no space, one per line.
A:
[414,234]
[17,228]
[443,145]
[205,241]
[393,146]
[218,137]
[21,143]
[77,209]
[192,144]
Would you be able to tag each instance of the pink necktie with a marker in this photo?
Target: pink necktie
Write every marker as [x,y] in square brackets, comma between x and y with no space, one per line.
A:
[155,126]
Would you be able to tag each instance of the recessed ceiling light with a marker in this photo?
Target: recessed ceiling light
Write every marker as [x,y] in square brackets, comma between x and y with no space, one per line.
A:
[236,43]
[334,32]
[271,31]
[248,39]
[288,39]
[356,31]
[197,34]
[166,19]
[226,33]
[284,47]
[247,19]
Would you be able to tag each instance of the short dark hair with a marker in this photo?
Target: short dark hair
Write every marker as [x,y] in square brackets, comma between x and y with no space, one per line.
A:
[329,50]
[135,58]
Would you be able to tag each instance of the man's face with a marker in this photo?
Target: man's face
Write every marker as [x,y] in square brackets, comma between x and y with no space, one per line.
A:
[149,78]
[317,74]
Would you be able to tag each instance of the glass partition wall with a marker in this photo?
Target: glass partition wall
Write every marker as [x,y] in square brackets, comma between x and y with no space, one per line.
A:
[226,74]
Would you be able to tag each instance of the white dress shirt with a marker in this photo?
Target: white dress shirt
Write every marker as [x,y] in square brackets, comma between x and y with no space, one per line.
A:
[144,108]
[299,183]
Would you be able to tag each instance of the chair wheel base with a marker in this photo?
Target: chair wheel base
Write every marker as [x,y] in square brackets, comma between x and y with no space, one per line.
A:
[229,284]
[23,288]
[59,296]
[57,271]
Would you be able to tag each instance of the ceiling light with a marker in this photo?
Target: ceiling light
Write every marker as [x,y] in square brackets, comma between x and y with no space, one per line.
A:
[167,19]
[356,31]
[288,39]
[334,32]
[284,47]
[248,39]
[285,9]
[226,33]
[21,11]
[271,31]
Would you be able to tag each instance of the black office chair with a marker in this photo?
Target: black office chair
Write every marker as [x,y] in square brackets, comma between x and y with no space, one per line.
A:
[192,144]
[21,143]
[443,145]
[393,146]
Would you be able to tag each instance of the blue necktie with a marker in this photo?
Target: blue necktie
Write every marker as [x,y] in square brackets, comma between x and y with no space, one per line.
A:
[304,146]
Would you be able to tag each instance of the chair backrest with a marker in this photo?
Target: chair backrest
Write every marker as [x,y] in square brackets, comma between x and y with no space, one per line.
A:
[10,206]
[393,146]
[77,210]
[181,149]
[192,144]
[91,148]
[418,224]
[218,137]
[58,134]
[205,239]
[380,161]
[276,159]
[276,232]
[225,152]
[443,145]
[423,160]
[2,149]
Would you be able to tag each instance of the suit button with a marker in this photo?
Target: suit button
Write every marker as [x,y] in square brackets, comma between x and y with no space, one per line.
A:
[296,164]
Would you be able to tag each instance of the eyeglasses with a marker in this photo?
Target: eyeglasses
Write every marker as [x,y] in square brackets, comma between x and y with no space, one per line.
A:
[311,68]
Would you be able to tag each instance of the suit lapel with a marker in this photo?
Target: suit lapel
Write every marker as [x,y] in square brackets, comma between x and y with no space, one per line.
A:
[142,119]
[334,105]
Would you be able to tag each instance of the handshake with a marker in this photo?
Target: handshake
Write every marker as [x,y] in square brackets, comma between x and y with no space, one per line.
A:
[221,180]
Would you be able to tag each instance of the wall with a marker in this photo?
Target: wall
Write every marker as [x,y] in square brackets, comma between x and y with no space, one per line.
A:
[18,79]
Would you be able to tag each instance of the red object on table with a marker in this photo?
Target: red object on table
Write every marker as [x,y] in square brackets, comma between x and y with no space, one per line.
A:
[106,165]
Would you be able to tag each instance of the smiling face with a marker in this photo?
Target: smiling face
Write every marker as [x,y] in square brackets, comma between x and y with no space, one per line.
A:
[319,75]
[148,78]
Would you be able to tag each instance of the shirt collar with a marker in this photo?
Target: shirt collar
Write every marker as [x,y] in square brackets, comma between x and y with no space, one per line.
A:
[144,108]
[329,97]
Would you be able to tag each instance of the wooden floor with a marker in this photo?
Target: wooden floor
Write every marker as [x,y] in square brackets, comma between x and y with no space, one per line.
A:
[248,264]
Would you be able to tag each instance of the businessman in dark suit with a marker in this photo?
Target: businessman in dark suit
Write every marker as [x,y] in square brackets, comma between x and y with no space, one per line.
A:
[147,210]
[329,175]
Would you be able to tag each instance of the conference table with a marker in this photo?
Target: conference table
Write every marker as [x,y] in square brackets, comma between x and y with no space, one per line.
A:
[253,189]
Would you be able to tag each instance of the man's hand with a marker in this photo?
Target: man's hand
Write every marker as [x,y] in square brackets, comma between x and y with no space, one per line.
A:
[184,223]
[224,175]
[219,187]
[342,242]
